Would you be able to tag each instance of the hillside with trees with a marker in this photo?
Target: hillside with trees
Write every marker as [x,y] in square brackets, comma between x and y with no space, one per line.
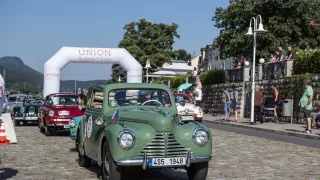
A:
[20,77]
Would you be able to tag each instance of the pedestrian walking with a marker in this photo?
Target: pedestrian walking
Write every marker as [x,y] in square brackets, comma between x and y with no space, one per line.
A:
[306,104]
[198,96]
[275,97]
[234,99]
[226,102]
[2,95]
[258,99]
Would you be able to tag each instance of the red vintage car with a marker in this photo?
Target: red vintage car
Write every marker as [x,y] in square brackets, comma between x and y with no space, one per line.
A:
[57,111]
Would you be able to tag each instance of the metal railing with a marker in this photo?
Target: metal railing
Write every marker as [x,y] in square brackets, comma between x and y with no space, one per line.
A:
[234,75]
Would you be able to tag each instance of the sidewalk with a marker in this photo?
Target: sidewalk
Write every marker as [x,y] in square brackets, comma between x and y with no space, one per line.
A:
[278,128]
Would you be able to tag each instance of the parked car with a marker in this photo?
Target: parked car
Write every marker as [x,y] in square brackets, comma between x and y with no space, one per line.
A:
[187,109]
[57,111]
[15,100]
[28,112]
[121,129]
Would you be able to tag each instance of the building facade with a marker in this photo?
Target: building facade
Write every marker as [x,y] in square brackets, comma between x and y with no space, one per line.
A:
[210,58]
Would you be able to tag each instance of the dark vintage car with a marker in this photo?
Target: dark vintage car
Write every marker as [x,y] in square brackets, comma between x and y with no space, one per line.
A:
[136,125]
[28,111]
[57,111]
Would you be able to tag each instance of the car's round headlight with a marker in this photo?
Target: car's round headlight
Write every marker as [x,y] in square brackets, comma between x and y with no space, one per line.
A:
[22,109]
[51,113]
[72,123]
[126,139]
[200,137]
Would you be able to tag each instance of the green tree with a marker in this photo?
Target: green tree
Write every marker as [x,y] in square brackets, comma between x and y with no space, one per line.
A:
[181,54]
[146,40]
[287,22]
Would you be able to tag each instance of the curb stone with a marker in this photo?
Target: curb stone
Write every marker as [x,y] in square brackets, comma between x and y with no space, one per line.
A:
[266,130]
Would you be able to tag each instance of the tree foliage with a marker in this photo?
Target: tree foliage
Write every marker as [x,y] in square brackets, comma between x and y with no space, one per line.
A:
[288,22]
[146,40]
[307,62]
[214,76]
[181,54]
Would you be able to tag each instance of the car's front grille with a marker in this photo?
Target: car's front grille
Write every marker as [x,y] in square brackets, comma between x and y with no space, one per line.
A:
[163,145]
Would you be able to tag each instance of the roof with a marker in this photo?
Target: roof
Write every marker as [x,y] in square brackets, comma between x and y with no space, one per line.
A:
[184,67]
[164,73]
[64,93]
[18,95]
[137,86]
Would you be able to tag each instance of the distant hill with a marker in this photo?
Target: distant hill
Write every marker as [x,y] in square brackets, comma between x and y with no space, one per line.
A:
[20,76]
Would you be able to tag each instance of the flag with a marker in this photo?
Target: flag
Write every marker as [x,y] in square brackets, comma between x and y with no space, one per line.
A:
[115,115]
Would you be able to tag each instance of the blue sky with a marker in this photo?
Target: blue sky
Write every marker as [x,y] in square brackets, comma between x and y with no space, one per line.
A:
[35,30]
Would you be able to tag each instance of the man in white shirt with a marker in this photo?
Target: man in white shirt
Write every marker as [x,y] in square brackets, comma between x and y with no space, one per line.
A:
[198,96]
[2,95]
[194,75]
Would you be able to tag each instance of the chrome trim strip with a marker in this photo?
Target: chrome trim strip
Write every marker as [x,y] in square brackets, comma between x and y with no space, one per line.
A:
[143,162]
[130,162]
[196,159]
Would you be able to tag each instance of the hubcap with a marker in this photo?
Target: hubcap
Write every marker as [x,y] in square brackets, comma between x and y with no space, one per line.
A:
[106,165]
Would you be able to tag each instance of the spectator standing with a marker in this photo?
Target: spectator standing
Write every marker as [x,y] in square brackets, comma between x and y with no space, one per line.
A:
[306,104]
[282,57]
[2,95]
[194,75]
[198,96]
[258,98]
[291,53]
[226,102]
[234,99]
[275,97]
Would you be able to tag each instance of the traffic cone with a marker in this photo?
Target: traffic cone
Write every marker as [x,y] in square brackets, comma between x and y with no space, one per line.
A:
[3,135]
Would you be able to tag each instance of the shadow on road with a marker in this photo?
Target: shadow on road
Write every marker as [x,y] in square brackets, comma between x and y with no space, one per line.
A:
[138,173]
[6,173]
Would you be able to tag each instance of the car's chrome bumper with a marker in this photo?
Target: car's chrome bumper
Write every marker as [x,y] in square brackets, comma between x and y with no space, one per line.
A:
[143,162]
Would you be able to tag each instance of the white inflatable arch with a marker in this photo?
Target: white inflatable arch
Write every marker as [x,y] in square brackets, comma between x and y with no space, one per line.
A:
[68,55]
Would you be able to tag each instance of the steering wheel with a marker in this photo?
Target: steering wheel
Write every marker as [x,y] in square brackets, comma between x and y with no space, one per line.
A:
[152,100]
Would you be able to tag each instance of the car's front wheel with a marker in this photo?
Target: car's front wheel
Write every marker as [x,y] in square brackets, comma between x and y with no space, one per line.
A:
[110,171]
[198,171]
[76,141]
[16,123]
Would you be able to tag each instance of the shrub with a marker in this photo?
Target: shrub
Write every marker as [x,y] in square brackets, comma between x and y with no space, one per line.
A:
[307,62]
[214,76]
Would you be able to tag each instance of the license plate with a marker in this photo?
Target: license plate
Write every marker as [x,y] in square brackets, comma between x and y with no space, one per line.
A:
[66,126]
[187,118]
[158,162]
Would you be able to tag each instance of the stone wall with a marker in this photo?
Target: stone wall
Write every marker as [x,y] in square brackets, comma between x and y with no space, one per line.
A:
[212,95]
[289,88]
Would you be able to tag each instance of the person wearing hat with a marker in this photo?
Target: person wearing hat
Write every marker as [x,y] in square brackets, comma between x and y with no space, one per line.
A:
[258,98]
[2,95]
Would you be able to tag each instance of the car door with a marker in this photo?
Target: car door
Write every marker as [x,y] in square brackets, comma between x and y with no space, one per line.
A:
[92,130]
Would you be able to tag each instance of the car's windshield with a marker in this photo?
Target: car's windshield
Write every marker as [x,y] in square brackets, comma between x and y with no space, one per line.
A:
[186,98]
[140,97]
[64,100]
[16,98]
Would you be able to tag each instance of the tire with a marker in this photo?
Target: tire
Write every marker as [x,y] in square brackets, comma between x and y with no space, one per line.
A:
[198,171]
[76,141]
[16,123]
[25,123]
[83,160]
[47,131]
[41,129]
[110,171]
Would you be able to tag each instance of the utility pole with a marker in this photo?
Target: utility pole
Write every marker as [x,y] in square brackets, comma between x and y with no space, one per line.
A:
[4,75]
[75,85]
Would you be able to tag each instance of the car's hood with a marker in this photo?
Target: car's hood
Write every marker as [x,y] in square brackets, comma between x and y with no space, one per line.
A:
[12,104]
[160,120]
[74,110]
[189,106]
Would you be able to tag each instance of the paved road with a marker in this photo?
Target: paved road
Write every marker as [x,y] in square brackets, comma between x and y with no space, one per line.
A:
[267,135]
[38,157]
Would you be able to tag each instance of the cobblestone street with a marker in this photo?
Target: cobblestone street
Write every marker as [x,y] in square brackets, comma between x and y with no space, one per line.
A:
[38,157]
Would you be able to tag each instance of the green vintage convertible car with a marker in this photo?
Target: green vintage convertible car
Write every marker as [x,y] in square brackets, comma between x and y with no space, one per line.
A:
[123,128]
